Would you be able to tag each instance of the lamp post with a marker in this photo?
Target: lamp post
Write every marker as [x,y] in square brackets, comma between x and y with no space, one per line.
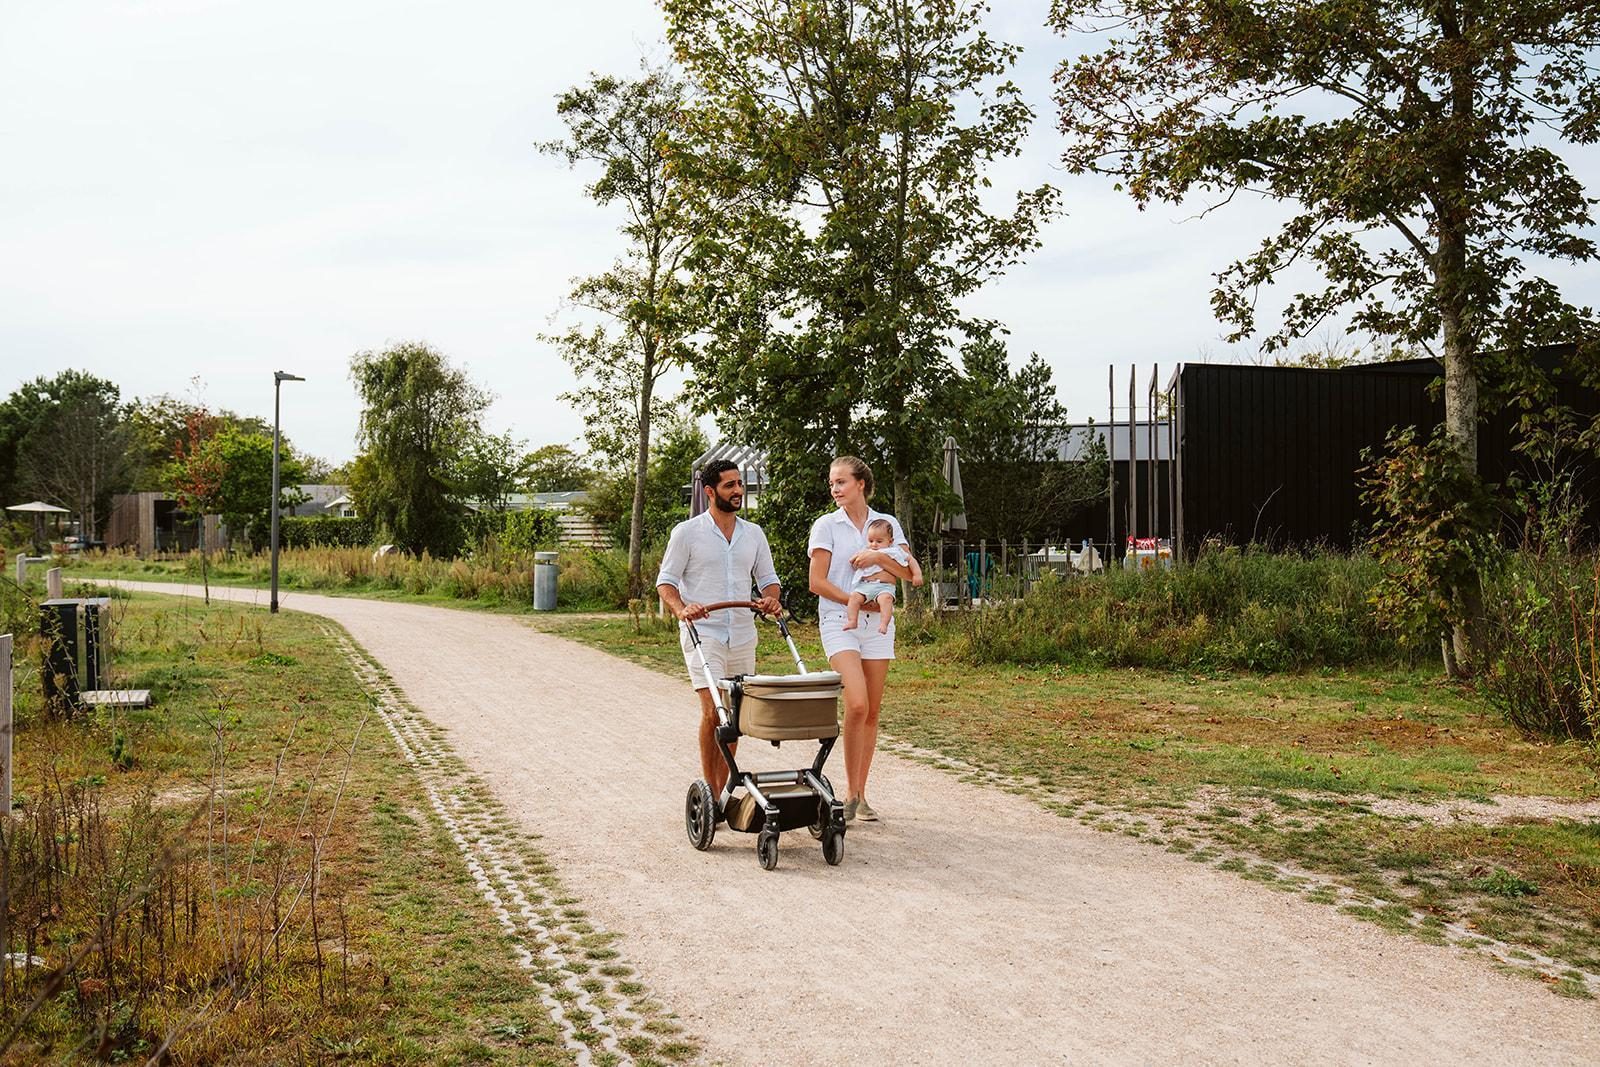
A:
[278,378]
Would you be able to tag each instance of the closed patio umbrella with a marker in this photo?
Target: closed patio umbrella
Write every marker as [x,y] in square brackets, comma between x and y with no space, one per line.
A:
[956,522]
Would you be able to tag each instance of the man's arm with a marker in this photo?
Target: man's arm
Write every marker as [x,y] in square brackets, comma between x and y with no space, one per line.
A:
[671,573]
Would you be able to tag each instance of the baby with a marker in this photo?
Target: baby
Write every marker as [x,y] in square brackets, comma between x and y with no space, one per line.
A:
[866,582]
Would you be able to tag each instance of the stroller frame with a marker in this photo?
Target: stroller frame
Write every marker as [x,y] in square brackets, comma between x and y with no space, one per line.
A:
[773,801]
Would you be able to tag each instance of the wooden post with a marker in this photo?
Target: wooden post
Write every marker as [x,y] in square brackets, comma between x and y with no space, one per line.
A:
[1133,451]
[1111,466]
[1155,467]
[52,583]
[22,568]
[6,679]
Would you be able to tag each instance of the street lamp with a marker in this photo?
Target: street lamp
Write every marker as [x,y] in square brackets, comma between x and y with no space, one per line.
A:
[278,378]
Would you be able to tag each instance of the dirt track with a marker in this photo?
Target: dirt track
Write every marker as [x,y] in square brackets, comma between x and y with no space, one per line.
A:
[969,926]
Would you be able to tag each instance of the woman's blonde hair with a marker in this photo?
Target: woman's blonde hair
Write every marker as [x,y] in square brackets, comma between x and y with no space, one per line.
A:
[858,469]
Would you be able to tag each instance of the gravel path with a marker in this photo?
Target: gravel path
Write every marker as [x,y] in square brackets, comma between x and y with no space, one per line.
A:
[970,925]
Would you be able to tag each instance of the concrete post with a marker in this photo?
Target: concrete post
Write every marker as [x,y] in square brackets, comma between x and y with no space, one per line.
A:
[52,583]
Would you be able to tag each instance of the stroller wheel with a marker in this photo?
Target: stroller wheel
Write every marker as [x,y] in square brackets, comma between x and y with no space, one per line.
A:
[833,845]
[700,814]
[767,849]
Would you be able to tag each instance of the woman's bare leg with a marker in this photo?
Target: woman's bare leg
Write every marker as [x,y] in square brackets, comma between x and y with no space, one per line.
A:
[857,742]
[876,673]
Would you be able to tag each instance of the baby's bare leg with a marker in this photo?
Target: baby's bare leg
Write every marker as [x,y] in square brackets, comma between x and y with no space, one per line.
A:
[852,611]
[885,611]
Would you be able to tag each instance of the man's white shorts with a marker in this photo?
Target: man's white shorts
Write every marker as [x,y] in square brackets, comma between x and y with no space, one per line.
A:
[864,639]
[725,661]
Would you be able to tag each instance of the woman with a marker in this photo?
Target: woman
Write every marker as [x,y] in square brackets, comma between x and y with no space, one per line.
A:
[838,546]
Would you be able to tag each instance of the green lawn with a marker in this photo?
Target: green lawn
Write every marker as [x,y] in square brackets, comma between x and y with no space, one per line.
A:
[202,820]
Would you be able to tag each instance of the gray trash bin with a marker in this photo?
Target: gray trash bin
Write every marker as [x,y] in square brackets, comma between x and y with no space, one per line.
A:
[544,581]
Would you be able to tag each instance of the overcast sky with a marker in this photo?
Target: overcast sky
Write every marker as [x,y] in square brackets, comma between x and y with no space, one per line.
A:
[221,189]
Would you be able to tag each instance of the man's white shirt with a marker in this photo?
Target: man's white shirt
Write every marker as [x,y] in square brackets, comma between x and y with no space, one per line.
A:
[706,567]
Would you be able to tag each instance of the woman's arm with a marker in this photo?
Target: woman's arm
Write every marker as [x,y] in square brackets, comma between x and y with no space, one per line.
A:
[871,557]
[821,560]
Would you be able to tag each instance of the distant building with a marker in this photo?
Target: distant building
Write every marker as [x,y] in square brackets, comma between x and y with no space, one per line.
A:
[324,499]
[151,524]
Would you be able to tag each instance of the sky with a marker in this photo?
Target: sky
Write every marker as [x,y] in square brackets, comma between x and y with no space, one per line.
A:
[197,193]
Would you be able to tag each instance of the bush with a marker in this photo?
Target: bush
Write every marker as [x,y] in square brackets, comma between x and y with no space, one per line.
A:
[330,531]
[514,531]
[1230,608]
[1542,627]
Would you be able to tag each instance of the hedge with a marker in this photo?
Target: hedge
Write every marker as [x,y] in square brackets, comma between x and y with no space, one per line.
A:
[309,531]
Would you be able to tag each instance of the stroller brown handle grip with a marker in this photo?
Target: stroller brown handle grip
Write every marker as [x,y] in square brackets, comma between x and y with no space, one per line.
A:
[719,605]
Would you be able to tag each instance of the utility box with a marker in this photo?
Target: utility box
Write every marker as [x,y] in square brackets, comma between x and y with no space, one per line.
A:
[545,573]
[77,649]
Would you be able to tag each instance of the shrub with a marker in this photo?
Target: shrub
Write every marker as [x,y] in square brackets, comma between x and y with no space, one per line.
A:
[332,531]
[1230,608]
[1542,623]
[515,531]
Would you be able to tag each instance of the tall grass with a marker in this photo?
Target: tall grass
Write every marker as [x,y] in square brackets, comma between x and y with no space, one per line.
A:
[1250,609]
[591,579]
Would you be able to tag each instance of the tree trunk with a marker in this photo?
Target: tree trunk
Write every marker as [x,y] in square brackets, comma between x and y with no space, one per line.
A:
[200,539]
[641,473]
[1461,427]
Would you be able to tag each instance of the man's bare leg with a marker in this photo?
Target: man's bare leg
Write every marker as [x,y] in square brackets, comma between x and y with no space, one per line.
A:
[713,768]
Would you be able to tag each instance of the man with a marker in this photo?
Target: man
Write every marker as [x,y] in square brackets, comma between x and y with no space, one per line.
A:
[716,556]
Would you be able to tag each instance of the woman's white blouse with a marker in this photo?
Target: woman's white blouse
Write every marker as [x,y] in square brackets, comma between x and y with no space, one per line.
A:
[836,533]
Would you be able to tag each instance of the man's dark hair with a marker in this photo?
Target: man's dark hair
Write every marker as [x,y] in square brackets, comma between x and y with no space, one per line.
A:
[711,474]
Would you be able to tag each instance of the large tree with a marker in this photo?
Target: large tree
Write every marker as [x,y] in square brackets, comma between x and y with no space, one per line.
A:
[70,410]
[1418,144]
[844,148]
[78,455]
[621,127]
[417,413]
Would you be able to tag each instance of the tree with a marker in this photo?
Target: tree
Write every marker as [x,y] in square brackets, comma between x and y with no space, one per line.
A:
[622,126]
[1010,427]
[194,477]
[839,153]
[417,412]
[1427,176]
[489,469]
[33,418]
[671,472]
[244,490]
[556,469]
[78,455]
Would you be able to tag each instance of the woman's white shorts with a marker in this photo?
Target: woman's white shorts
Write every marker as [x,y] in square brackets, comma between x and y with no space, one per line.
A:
[864,639]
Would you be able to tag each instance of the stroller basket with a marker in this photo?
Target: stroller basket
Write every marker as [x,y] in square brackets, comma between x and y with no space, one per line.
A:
[787,707]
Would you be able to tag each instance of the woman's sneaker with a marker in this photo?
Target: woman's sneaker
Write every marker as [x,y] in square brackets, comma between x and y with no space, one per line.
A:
[864,811]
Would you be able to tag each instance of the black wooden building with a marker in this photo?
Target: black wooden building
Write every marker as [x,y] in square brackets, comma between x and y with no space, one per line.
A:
[1273,454]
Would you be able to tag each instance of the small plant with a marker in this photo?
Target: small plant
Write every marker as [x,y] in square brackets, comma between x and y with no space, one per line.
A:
[273,659]
[1502,883]
[121,751]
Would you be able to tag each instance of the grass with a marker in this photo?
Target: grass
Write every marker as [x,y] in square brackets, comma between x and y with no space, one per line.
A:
[1274,776]
[257,871]
[490,579]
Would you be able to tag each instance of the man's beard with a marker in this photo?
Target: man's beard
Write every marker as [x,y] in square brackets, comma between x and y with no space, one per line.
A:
[727,507]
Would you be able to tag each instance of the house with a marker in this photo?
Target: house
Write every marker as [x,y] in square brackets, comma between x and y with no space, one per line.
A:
[324,499]
[152,523]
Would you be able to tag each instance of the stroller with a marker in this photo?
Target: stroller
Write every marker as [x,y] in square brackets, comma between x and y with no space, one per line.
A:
[776,708]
